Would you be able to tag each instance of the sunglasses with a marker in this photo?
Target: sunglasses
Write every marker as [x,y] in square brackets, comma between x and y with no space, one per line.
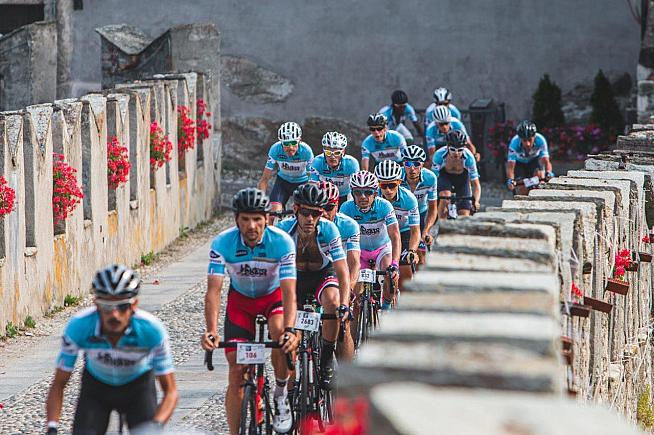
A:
[443,124]
[411,164]
[386,186]
[306,212]
[335,153]
[363,192]
[290,143]
[455,150]
[377,128]
[120,305]
[330,207]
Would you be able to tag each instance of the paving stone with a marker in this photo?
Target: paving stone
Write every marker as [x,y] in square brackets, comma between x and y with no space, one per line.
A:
[437,260]
[510,247]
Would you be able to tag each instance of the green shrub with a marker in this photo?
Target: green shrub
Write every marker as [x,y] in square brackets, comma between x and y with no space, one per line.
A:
[605,112]
[71,300]
[546,111]
[147,259]
[30,322]
[11,330]
[645,410]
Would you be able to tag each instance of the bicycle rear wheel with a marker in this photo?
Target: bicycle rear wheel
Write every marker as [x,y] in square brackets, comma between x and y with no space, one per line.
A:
[248,424]
[364,320]
[302,396]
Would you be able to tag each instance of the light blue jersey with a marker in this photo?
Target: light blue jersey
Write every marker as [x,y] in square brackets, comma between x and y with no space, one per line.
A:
[429,113]
[144,346]
[340,177]
[469,162]
[390,149]
[426,190]
[293,169]
[373,223]
[350,232]
[518,154]
[254,272]
[327,237]
[436,139]
[406,209]
[409,113]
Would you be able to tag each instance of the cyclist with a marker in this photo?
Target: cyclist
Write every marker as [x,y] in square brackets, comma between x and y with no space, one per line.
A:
[291,159]
[382,143]
[350,236]
[456,169]
[528,156]
[442,97]
[334,165]
[422,182]
[438,129]
[321,267]
[261,264]
[380,232]
[389,174]
[125,348]
[398,112]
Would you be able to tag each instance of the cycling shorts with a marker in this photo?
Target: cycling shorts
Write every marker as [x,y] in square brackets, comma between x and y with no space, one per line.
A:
[282,191]
[458,183]
[137,400]
[242,311]
[310,284]
[423,218]
[376,255]
[527,170]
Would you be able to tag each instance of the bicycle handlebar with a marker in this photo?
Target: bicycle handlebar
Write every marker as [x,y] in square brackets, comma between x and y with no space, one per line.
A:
[208,354]
[454,197]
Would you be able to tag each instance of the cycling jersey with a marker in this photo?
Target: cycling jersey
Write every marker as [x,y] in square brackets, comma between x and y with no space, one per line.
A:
[143,347]
[425,190]
[409,113]
[350,232]
[373,223]
[391,148]
[469,162]
[406,209]
[518,154]
[340,177]
[293,169]
[254,272]
[327,237]
[436,139]
[429,113]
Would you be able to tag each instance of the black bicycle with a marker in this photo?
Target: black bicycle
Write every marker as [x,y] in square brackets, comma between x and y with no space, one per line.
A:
[452,210]
[369,303]
[256,409]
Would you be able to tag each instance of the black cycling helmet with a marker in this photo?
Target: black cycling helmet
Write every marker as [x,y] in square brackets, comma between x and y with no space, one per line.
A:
[526,129]
[399,97]
[251,200]
[376,120]
[456,138]
[116,280]
[311,195]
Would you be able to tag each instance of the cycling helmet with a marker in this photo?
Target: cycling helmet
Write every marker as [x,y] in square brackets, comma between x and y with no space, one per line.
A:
[442,96]
[116,280]
[330,190]
[289,131]
[414,153]
[363,180]
[399,97]
[334,139]
[388,170]
[310,194]
[251,200]
[526,129]
[442,114]
[376,120]
[456,138]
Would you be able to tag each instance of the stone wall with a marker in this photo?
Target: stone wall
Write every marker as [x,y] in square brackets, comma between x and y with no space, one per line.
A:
[41,263]
[493,309]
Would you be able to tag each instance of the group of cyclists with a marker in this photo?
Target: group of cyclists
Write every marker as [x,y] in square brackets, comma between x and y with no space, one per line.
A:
[345,216]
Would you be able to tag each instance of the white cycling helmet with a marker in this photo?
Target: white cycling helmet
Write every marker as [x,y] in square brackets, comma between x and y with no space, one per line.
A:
[442,95]
[442,114]
[414,153]
[289,131]
[388,170]
[334,139]
[364,180]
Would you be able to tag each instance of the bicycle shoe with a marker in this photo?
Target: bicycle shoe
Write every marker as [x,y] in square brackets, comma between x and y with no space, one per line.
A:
[283,418]
[327,374]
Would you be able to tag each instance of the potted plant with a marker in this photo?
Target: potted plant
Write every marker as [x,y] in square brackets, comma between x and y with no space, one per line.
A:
[618,284]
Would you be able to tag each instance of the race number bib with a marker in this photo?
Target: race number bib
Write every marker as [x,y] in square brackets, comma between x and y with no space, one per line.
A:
[451,210]
[367,275]
[248,353]
[531,182]
[307,321]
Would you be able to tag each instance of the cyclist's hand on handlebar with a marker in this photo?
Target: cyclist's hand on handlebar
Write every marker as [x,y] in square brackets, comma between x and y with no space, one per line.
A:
[392,271]
[344,312]
[428,239]
[289,340]
[207,342]
[476,206]
[510,184]
[549,176]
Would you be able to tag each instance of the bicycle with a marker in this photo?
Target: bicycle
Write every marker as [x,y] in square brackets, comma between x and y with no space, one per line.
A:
[524,185]
[369,303]
[452,211]
[256,409]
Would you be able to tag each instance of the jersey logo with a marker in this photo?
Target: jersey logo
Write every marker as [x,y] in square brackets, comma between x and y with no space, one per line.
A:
[241,252]
[246,270]
[107,359]
[213,254]
[369,231]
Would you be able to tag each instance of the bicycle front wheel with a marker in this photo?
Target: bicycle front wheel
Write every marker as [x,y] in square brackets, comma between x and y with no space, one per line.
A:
[302,395]
[248,424]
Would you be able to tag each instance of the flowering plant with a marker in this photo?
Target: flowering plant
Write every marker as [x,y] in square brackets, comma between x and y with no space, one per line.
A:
[499,137]
[117,163]
[622,263]
[66,193]
[203,125]
[646,239]
[7,197]
[160,146]
[185,130]
[576,291]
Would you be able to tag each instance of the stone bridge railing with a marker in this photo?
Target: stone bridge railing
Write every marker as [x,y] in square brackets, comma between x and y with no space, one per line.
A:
[493,339]
[41,263]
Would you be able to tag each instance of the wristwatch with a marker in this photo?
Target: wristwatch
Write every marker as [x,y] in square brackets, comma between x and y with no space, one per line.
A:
[290,329]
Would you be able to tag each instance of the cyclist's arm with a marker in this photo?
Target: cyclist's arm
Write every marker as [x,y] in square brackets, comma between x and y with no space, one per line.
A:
[396,241]
[472,147]
[212,304]
[290,311]
[414,238]
[547,164]
[56,395]
[432,215]
[364,163]
[418,128]
[265,177]
[353,265]
[510,169]
[169,400]
[340,267]
[476,191]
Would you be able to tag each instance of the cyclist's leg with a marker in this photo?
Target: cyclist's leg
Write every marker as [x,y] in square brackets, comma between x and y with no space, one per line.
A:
[384,258]
[444,189]
[93,410]
[281,192]
[404,131]
[422,247]
[328,296]
[536,168]
[462,187]
[142,404]
[522,171]
[405,266]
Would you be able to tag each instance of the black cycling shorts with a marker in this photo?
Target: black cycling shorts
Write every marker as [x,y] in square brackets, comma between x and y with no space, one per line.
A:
[282,191]
[310,284]
[458,183]
[527,170]
[137,400]
[405,237]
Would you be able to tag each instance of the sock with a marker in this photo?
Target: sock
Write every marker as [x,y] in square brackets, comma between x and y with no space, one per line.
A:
[280,388]
[328,348]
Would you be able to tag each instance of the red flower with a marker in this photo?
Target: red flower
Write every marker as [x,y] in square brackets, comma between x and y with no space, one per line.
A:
[66,193]
[203,125]
[185,130]
[117,163]
[577,291]
[160,146]
[7,197]
[645,238]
